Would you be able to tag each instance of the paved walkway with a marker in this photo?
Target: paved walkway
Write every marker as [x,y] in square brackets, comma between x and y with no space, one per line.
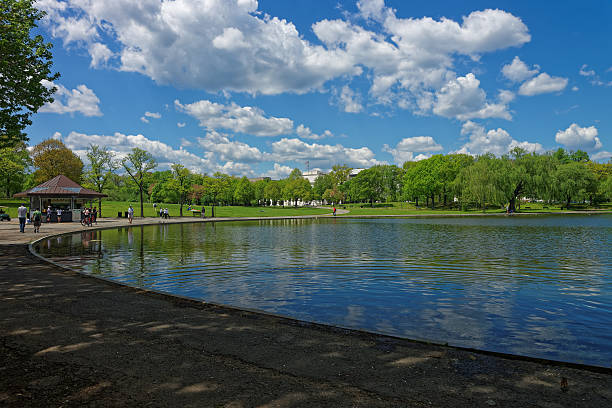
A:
[70,340]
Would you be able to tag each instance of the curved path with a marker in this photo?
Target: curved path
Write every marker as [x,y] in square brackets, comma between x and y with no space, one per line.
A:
[70,340]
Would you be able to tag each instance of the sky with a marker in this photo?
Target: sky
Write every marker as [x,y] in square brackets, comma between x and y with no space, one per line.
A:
[257,88]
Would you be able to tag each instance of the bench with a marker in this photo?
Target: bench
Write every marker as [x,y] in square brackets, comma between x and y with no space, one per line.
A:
[196,213]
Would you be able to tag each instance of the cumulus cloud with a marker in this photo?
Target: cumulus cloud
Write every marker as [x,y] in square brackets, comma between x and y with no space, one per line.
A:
[279,171]
[320,155]
[349,100]
[181,124]
[122,144]
[497,141]
[248,119]
[305,133]
[518,71]
[406,148]
[81,99]
[584,71]
[231,46]
[220,147]
[577,137]
[542,83]
[602,155]
[152,115]
[462,98]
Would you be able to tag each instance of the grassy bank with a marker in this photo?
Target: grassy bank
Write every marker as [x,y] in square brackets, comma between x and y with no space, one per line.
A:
[111,208]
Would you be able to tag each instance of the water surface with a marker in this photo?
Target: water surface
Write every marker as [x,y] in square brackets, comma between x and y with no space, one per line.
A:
[538,286]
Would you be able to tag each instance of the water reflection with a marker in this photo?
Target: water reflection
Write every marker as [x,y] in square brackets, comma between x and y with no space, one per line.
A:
[538,286]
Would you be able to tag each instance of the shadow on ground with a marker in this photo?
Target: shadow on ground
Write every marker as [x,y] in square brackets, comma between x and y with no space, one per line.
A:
[68,340]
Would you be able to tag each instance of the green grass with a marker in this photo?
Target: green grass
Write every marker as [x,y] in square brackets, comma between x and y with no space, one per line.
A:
[110,209]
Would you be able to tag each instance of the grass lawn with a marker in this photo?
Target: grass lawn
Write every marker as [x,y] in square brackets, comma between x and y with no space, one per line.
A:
[110,209]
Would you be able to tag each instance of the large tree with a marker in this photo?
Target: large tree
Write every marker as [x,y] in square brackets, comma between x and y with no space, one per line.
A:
[13,163]
[181,183]
[25,68]
[102,164]
[51,158]
[137,164]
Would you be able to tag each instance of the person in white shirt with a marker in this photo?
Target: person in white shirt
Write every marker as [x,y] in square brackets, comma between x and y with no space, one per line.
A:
[22,214]
[130,214]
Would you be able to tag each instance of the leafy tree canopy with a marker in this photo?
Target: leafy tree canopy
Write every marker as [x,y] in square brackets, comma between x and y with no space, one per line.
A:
[25,66]
[51,158]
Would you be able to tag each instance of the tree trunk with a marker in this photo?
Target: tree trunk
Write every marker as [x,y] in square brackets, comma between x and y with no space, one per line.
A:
[181,206]
[516,192]
[141,205]
[416,201]
[100,207]
[432,201]
[567,204]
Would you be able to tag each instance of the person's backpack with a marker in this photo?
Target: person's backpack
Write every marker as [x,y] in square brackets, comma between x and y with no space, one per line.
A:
[37,217]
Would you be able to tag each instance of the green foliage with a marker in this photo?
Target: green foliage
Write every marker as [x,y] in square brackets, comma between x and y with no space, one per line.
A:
[13,163]
[102,164]
[52,158]
[25,63]
[180,183]
[137,164]
[296,187]
[244,192]
[573,180]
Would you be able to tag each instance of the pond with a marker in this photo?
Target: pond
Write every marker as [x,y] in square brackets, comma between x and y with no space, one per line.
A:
[532,285]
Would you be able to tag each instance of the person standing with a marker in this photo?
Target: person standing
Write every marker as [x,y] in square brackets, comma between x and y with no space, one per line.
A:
[22,213]
[130,214]
[49,213]
[95,215]
[36,219]
[334,211]
[59,215]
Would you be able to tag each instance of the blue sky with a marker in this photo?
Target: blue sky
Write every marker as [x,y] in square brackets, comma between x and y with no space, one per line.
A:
[258,88]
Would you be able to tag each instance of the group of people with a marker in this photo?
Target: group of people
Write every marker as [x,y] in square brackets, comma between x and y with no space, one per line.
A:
[163,213]
[36,216]
[90,216]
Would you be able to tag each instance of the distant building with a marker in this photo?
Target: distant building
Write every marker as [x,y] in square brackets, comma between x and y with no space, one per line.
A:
[354,172]
[254,179]
[312,175]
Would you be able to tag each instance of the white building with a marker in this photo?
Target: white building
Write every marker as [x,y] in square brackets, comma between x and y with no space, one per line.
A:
[312,175]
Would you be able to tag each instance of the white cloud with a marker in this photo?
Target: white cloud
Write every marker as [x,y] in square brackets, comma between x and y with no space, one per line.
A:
[81,99]
[462,98]
[305,133]
[248,119]
[518,71]
[279,172]
[584,71]
[575,88]
[153,115]
[542,83]
[576,137]
[220,147]
[181,124]
[406,148]
[231,46]
[323,156]
[496,141]
[100,55]
[602,155]
[349,100]
[122,145]
[185,142]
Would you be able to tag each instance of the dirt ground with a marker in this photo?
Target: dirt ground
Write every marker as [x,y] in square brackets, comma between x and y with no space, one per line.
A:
[69,340]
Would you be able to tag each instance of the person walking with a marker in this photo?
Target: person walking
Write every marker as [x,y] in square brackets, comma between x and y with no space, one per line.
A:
[59,215]
[95,215]
[22,213]
[130,214]
[36,220]
[49,213]
[334,211]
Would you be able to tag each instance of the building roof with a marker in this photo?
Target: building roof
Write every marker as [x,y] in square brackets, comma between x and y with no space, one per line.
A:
[60,186]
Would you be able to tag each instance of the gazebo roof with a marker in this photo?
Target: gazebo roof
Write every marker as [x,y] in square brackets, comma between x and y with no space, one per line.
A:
[60,186]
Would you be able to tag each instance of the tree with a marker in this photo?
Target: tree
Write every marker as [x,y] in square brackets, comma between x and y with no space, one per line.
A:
[180,183]
[102,164]
[571,180]
[25,69]
[13,162]
[322,183]
[244,192]
[137,164]
[296,187]
[273,191]
[51,157]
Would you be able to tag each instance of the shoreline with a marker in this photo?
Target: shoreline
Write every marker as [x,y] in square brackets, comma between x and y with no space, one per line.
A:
[53,317]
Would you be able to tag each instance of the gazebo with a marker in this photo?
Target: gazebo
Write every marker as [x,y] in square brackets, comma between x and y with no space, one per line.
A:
[60,193]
